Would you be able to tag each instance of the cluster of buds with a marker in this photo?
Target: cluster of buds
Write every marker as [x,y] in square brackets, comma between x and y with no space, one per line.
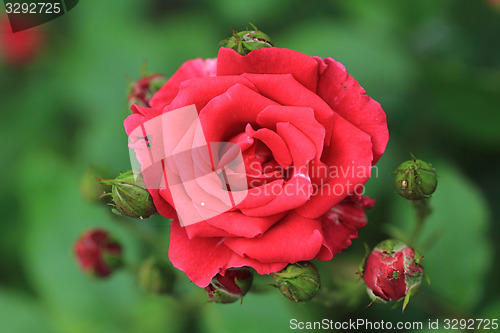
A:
[392,272]
[298,282]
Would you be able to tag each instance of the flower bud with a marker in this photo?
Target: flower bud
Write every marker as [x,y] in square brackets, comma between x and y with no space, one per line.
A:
[231,286]
[97,253]
[392,272]
[155,276]
[22,47]
[415,180]
[141,91]
[298,282]
[246,41]
[130,199]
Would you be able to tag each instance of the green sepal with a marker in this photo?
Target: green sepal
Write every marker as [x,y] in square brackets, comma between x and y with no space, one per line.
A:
[247,41]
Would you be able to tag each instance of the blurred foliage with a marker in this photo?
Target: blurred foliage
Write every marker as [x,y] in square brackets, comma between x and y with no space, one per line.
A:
[434,67]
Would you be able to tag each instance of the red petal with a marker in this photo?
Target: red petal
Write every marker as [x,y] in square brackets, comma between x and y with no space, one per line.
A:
[261,195]
[140,114]
[270,61]
[340,225]
[202,230]
[293,194]
[286,90]
[238,224]
[292,239]
[228,114]
[189,70]
[301,148]
[300,117]
[274,142]
[344,95]
[394,288]
[373,268]
[163,207]
[349,157]
[199,91]
[202,258]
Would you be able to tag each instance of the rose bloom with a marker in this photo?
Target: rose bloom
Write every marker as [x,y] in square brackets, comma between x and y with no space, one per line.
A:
[309,137]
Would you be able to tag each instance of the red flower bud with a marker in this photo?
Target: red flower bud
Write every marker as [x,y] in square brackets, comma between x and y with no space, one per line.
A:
[392,271]
[97,253]
[143,89]
[231,286]
[20,47]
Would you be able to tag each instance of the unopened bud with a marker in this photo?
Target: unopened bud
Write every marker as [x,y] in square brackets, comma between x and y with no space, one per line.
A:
[23,46]
[298,282]
[141,91]
[130,199]
[246,41]
[231,286]
[392,272]
[415,180]
[156,276]
[97,253]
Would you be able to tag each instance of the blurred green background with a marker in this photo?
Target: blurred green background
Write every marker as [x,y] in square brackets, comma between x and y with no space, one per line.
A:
[433,65]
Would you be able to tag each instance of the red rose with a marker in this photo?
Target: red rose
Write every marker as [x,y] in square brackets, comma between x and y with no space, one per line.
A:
[309,137]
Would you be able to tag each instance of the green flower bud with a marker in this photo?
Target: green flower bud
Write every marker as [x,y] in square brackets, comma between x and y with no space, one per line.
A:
[298,282]
[246,41]
[415,179]
[129,199]
[231,286]
[155,276]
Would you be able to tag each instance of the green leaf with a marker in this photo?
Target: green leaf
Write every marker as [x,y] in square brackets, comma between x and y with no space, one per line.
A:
[258,312]
[20,313]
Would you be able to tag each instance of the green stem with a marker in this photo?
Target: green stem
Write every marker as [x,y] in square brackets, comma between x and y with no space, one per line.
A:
[154,240]
[422,212]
